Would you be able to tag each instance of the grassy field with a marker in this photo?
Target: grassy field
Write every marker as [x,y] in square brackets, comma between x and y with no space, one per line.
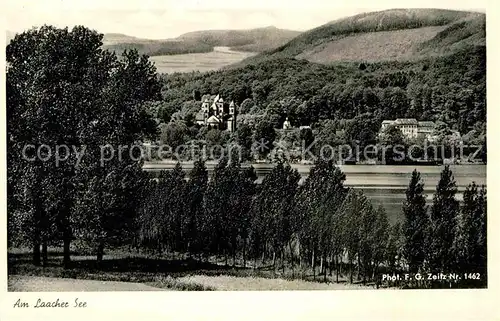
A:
[133,271]
[18,283]
[220,57]
[233,283]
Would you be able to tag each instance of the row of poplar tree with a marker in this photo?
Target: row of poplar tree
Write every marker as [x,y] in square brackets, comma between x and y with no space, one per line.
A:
[320,226]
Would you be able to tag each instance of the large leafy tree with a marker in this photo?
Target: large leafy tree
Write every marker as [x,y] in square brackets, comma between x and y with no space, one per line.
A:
[54,75]
[115,173]
[275,204]
[471,231]
[444,213]
[195,193]
[215,230]
[392,141]
[264,137]
[318,219]
[244,140]
[415,224]
[69,92]
[352,211]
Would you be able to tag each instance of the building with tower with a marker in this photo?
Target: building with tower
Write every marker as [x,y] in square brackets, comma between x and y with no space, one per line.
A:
[216,113]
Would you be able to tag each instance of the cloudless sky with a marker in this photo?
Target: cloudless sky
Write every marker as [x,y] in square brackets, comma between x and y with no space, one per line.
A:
[155,19]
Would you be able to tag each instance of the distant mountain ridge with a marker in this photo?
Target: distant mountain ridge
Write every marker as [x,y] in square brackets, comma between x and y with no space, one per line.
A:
[252,40]
[255,40]
[396,34]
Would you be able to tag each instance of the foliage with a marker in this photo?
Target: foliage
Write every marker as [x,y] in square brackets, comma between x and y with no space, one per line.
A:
[415,226]
[444,212]
[65,91]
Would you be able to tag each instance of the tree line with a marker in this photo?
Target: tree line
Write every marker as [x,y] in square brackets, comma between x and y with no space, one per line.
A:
[318,227]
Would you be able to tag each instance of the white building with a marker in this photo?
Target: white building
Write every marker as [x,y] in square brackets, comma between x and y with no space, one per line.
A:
[410,127]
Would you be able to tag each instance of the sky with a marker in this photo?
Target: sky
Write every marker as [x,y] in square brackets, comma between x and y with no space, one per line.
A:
[160,19]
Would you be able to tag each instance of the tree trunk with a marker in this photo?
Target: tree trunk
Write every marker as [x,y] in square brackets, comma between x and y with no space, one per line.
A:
[100,252]
[300,262]
[313,263]
[374,270]
[352,270]
[274,261]
[330,265]
[45,255]
[244,253]
[324,272]
[36,253]
[321,264]
[359,269]
[283,261]
[291,259]
[337,266]
[66,249]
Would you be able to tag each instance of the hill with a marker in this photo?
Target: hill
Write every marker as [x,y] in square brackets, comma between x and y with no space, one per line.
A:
[449,88]
[398,34]
[252,40]
[116,38]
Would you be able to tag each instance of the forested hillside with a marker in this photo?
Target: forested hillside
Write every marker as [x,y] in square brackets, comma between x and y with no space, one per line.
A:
[447,88]
[400,34]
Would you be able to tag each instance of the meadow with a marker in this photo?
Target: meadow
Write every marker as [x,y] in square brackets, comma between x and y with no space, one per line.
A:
[216,59]
[130,270]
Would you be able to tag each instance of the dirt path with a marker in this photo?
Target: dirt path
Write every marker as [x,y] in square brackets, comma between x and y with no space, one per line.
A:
[45,284]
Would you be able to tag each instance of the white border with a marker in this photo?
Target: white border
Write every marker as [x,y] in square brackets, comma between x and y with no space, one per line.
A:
[318,305]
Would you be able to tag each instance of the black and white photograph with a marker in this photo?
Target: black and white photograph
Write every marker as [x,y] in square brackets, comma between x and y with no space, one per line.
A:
[212,149]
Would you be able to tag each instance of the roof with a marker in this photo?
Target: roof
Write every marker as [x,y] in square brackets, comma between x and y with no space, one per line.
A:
[387,121]
[213,120]
[426,124]
[406,121]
